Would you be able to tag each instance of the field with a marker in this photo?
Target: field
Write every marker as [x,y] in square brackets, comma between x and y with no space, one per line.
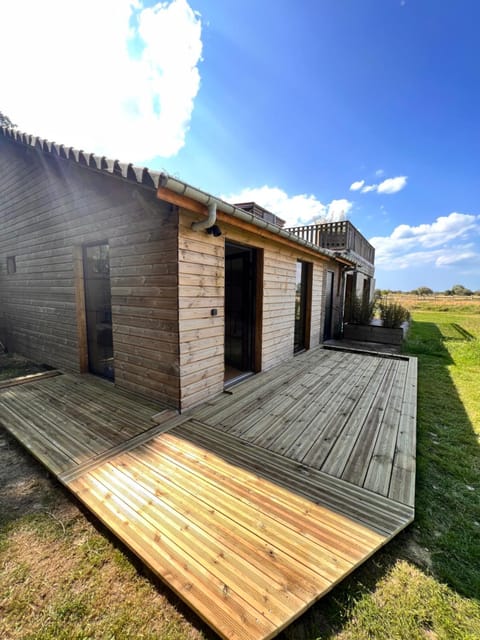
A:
[63,576]
[436,302]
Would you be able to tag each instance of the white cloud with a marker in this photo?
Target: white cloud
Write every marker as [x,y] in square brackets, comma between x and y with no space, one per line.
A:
[299,209]
[392,185]
[356,186]
[72,80]
[465,257]
[379,173]
[446,241]
[338,209]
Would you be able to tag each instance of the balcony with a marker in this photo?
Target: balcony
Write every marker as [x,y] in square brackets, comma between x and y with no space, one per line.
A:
[337,236]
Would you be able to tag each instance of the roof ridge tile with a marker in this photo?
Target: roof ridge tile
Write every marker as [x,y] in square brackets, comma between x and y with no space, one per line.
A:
[125,170]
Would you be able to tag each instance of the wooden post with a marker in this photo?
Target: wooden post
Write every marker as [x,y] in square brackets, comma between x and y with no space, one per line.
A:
[80,309]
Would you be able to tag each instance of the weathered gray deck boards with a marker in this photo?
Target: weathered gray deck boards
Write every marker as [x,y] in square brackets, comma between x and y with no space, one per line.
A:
[348,414]
[66,420]
[257,503]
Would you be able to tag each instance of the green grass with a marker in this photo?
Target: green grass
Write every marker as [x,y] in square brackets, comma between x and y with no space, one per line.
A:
[426,583]
[63,578]
[448,470]
[14,366]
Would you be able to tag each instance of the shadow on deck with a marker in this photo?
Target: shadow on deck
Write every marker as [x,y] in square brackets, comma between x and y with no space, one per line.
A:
[254,505]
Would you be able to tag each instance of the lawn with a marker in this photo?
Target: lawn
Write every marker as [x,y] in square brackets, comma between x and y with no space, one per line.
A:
[13,366]
[426,583]
[63,576]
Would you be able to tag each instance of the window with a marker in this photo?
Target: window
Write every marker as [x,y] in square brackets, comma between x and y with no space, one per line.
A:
[11,265]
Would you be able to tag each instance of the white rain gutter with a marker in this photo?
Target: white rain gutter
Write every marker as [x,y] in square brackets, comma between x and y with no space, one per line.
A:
[182,188]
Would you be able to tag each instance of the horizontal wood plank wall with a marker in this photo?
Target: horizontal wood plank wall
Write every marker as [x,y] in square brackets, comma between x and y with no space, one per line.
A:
[278,305]
[201,283]
[201,288]
[48,210]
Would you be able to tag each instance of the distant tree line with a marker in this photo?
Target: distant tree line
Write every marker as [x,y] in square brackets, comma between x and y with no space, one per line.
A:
[456,290]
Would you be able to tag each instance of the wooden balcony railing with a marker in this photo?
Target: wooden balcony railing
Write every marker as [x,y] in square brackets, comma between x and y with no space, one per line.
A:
[337,236]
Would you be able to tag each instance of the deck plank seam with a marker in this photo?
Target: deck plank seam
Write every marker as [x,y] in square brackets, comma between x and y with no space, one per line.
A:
[398,393]
[123,447]
[383,505]
[273,495]
[274,458]
[328,401]
[372,422]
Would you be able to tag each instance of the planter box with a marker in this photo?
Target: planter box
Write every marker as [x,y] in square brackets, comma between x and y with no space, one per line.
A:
[373,333]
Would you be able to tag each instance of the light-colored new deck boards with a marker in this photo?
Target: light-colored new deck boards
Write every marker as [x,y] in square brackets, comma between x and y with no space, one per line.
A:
[257,503]
[243,552]
[379,513]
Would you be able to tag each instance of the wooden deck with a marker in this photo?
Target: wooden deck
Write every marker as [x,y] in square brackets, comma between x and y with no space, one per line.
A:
[351,415]
[256,504]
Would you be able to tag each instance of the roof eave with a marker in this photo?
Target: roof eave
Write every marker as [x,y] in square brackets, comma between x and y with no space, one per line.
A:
[160,181]
[187,193]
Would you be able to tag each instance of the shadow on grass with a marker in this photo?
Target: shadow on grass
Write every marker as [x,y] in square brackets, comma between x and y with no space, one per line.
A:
[464,334]
[444,540]
[448,453]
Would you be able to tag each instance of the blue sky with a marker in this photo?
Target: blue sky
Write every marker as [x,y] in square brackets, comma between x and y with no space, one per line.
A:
[364,109]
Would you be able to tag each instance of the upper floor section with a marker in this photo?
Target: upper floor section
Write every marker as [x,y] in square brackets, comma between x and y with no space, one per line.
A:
[341,237]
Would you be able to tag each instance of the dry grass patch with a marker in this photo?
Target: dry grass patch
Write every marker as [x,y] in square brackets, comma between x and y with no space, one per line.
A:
[437,302]
[62,578]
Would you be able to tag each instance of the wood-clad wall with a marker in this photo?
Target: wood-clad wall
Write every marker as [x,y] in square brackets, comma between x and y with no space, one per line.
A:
[318,303]
[201,281]
[48,209]
[167,281]
[201,289]
[279,273]
[278,304]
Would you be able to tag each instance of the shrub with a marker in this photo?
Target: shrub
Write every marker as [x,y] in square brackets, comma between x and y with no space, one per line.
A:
[393,315]
[359,310]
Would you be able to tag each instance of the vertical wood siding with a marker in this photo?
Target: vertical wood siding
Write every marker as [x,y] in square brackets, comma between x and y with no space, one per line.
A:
[50,208]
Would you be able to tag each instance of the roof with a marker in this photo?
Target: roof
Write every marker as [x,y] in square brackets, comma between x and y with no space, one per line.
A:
[145,177]
[261,212]
[138,175]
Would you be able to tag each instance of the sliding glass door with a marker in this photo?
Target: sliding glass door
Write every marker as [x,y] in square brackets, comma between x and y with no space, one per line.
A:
[302,306]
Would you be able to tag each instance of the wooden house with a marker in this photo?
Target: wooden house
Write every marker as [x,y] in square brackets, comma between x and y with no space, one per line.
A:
[135,276]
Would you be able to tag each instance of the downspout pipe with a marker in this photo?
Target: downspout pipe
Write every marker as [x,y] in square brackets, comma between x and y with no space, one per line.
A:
[209,221]
[167,181]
